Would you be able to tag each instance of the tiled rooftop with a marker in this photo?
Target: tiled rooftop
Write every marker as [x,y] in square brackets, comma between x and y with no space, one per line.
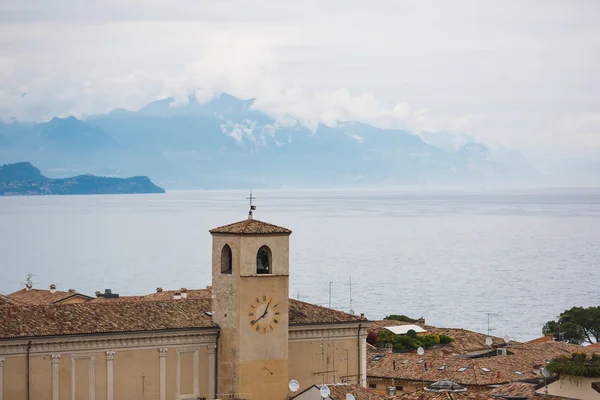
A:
[521,389]
[465,341]
[86,318]
[251,227]
[156,311]
[39,296]
[478,371]
[425,395]
[302,313]
[338,392]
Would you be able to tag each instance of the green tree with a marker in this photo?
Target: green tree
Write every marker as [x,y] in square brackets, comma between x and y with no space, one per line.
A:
[401,318]
[577,325]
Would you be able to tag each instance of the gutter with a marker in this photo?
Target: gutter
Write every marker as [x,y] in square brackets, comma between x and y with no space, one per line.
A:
[359,352]
[216,365]
[28,356]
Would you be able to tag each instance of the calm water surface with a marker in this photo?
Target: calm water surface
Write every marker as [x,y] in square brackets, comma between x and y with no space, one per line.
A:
[451,258]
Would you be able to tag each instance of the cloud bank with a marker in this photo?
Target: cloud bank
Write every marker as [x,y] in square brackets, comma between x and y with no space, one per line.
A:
[518,74]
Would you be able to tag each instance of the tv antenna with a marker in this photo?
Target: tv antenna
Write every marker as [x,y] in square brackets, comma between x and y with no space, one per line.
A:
[252,207]
[351,310]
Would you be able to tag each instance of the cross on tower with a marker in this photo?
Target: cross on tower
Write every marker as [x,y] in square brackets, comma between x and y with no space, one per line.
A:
[252,207]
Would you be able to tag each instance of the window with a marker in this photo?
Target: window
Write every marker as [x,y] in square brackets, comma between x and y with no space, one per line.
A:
[518,372]
[405,362]
[462,369]
[226,260]
[442,368]
[484,369]
[420,361]
[399,388]
[372,386]
[377,357]
[263,260]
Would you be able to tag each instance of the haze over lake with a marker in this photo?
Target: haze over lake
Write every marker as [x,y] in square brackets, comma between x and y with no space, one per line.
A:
[524,257]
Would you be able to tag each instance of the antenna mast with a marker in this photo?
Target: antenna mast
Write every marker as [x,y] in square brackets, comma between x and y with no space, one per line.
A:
[351,310]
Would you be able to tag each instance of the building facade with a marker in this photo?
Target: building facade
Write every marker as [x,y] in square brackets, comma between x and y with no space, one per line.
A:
[240,338]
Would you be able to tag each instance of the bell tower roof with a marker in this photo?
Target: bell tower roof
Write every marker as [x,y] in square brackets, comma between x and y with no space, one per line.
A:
[251,227]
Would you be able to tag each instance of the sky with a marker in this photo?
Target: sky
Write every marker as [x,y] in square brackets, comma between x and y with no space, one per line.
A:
[519,74]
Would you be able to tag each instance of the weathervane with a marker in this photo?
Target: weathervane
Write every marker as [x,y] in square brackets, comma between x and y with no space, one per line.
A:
[252,207]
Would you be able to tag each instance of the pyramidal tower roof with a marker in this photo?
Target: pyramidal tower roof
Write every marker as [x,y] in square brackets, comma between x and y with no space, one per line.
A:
[251,227]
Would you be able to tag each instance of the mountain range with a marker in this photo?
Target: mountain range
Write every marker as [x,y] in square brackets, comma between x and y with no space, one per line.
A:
[227,143]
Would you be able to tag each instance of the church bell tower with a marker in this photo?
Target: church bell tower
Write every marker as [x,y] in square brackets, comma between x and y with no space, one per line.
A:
[250,284]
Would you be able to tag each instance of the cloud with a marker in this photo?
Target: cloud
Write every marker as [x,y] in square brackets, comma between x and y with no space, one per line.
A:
[517,74]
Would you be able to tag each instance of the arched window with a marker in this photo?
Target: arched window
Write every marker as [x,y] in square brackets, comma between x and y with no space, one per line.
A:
[226,260]
[263,260]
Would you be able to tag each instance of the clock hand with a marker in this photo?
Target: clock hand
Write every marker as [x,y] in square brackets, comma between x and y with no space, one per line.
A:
[267,307]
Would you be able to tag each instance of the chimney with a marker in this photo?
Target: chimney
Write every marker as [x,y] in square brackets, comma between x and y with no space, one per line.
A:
[389,348]
[183,293]
[537,369]
[394,364]
[53,288]
[362,315]
[421,321]
[72,291]
[177,296]
[98,294]
[158,290]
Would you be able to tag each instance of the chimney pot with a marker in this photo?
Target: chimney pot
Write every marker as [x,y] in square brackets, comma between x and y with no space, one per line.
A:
[97,293]
[72,291]
[362,315]
[53,288]
[107,291]
[159,289]
[183,293]
[177,296]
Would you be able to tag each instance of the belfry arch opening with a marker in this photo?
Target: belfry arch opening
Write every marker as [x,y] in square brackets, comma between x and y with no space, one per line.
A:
[226,260]
[263,260]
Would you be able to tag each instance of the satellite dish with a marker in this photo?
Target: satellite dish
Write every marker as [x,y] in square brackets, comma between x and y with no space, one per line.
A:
[489,341]
[294,385]
[350,396]
[420,351]
[325,392]
[506,339]
[546,373]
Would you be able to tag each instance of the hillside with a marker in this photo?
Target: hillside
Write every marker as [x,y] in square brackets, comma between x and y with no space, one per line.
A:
[227,143]
[24,179]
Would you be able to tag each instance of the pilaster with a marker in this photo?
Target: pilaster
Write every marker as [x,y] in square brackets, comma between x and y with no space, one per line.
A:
[1,371]
[212,368]
[55,380]
[110,387]
[162,352]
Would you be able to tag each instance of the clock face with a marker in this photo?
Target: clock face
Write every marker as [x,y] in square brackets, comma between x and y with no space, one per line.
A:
[264,315]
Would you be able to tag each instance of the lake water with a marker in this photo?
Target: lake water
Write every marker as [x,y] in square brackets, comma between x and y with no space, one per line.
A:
[452,258]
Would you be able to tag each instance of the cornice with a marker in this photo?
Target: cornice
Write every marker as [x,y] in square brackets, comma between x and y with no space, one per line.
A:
[317,332]
[107,343]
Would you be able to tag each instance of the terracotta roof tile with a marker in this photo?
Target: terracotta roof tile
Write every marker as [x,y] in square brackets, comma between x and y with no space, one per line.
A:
[302,313]
[595,346]
[465,341]
[521,389]
[40,296]
[156,311]
[251,227]
[502,369]
[425,395]
[86,318]
[338,392]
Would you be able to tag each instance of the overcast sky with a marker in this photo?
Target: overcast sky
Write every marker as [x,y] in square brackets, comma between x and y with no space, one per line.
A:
[523,74]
